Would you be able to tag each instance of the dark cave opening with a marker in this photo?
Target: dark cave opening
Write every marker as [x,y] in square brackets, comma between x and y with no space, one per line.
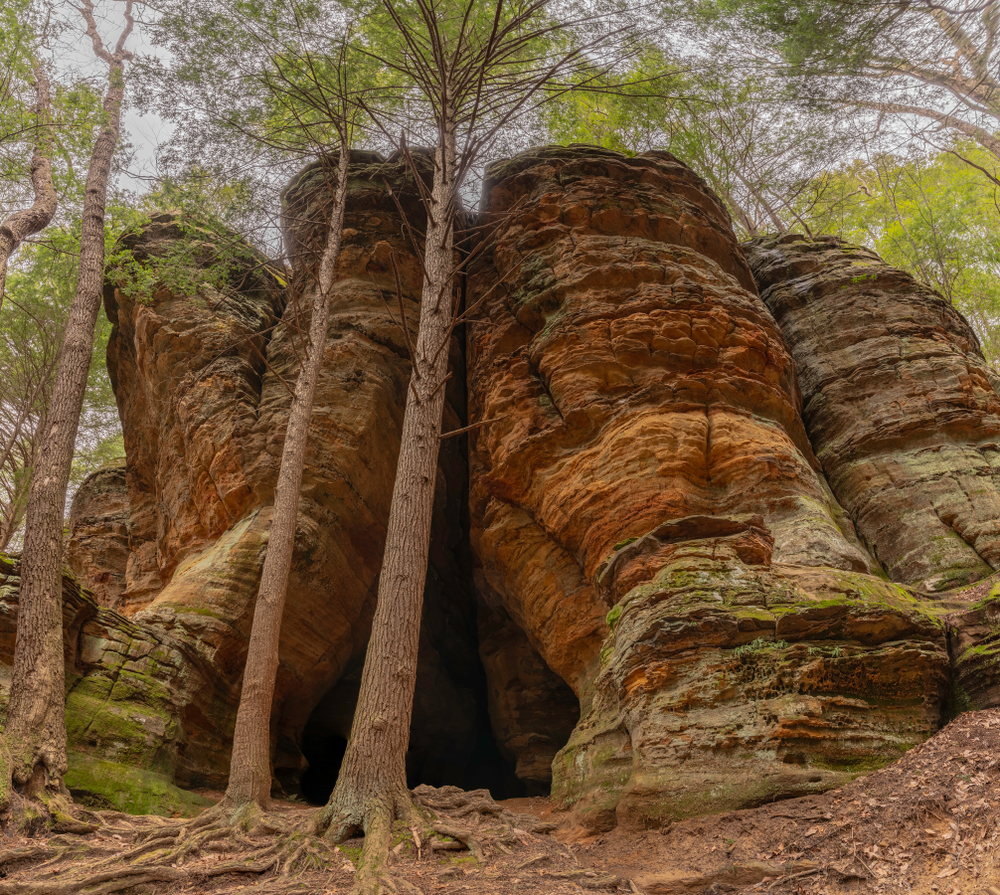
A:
[435,756]
[324,757]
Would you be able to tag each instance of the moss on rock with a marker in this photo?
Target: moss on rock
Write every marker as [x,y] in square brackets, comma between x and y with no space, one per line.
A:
[100,783]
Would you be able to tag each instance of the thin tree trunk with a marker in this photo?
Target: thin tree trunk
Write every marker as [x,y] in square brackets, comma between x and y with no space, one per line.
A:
[36,714]
[250,773]
[761,200]
[22,224]
[371,788]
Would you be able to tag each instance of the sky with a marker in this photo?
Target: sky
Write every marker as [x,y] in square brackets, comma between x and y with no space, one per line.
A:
[72,56]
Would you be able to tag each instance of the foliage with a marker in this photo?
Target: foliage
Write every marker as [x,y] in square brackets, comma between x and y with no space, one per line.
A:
[250,88]
[912,62]
[729,123]
[206,255]
[927,214]
[39,293]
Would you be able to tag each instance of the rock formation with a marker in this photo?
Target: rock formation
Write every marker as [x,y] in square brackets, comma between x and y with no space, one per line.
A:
[642,586]
[898,403]
[730,681]
[532,710]
[127,688]
[201,380]
[98,548]
[641,455]
[202,384]
[624,373]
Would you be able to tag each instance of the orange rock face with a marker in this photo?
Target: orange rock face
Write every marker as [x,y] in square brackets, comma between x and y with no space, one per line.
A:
[98,548]
[186,371]
[625,373]
[202,385]
[898,403]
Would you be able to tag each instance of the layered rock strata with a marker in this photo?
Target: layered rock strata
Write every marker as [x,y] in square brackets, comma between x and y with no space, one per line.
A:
[202,382]
[899,406]
[99,544]
[137,704]
[623,372]
[640,454]
[186,370]
[653,536]
[729,681]
[974,643]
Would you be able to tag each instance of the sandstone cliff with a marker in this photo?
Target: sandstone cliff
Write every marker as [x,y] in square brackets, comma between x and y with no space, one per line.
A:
[625,373]
[899,406]
[707,517]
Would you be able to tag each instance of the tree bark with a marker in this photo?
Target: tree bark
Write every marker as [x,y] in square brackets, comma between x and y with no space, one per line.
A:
[36,714]
[22,224]
[371,789]
[250,774]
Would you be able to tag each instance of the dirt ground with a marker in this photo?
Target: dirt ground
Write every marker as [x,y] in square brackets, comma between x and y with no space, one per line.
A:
[929,825]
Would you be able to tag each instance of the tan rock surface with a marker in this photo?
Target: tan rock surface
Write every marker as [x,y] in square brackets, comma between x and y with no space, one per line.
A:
[97,550]
[728,682]
[186,372]
[899,406]
[135,703]
[625,373]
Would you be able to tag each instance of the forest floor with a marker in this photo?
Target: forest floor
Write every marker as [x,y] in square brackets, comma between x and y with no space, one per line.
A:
[929,824]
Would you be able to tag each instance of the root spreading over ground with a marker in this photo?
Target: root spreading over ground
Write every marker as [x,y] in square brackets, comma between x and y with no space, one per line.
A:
[928,824]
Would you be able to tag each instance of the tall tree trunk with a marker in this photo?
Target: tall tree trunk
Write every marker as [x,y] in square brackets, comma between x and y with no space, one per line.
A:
[22,224]
[36,714]
[250,774]
[371,790]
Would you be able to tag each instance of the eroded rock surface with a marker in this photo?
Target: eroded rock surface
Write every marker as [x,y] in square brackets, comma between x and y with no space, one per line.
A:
[974,642]
[98,547]
[202,382]
[630,375]
[531,708]
[641,455]
[899,406]
[186,370]
[134,703]
[652,536]
[625,373]
[729,682]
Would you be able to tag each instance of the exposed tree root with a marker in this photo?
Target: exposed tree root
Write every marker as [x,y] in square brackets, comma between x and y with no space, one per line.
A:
[479,804]
[275,853]
[169,851]
[39,808]
[437,819]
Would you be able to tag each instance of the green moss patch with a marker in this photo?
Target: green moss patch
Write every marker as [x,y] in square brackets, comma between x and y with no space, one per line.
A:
[108,784]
